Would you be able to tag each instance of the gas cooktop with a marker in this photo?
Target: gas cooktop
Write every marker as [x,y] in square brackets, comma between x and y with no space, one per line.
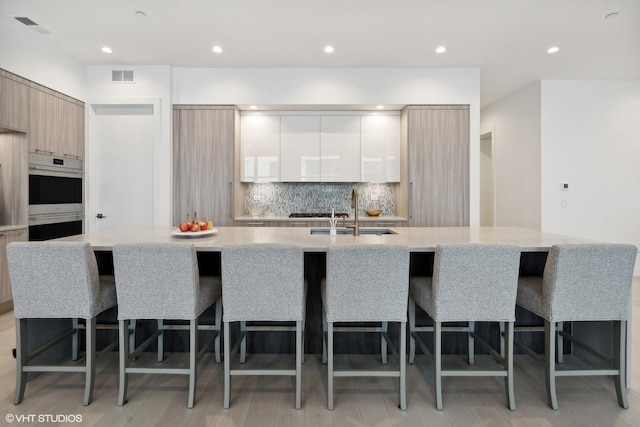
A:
[317,215]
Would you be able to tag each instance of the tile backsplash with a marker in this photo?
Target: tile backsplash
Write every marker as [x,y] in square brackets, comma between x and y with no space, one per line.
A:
[283,198]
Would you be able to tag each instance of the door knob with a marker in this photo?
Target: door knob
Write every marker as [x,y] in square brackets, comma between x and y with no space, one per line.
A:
[100,216]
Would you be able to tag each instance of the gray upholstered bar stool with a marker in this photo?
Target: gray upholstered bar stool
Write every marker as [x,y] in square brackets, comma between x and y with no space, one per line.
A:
[162,282]
[582,282]
[263,282]
[470,283]
[56,280]
[366,283]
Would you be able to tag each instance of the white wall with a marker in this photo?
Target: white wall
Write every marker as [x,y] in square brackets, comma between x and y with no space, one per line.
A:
[591,140]
[515,125]
[152,84]
[23,52]
[339,86]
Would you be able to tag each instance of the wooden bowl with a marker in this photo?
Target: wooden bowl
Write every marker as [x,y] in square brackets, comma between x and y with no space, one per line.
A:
[373,212]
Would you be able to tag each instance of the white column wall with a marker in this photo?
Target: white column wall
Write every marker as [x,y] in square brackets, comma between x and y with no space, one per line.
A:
[515,125]
[591,140]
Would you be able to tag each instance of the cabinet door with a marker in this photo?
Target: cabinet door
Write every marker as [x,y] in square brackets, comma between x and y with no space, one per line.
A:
[340,149]
[438,166]
[260,148]
[44,122]
[300,148]
[14,104]
[203,164]
[71,142]
[5,239]
[380,148]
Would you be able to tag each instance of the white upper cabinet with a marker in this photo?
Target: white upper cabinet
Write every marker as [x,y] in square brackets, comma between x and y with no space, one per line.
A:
[260,148]
[380,148]
[300,148]
[340,149]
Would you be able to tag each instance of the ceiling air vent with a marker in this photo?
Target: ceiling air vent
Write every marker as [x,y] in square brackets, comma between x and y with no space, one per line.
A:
[31,24]
[122,76]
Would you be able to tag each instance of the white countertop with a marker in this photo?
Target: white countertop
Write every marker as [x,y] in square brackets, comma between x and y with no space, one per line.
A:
[419,239]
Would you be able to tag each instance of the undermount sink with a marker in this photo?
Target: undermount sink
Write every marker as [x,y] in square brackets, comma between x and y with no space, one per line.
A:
[377,231]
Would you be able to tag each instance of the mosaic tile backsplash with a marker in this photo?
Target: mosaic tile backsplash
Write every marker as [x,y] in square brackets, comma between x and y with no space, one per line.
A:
[283,198]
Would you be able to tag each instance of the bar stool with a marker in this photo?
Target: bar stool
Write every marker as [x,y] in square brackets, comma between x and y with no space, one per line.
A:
[263,283]
[366,283]
[582,282]
[162,282]
[470,283]
[57,280]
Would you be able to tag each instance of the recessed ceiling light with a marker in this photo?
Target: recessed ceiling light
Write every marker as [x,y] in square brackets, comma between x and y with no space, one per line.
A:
[328,49]
[441,49]
[253,107]
[217,49]
[553,49]
[107,49]
[380,107]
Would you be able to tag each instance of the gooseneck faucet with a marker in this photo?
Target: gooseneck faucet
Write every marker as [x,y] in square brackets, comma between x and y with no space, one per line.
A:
[354,205]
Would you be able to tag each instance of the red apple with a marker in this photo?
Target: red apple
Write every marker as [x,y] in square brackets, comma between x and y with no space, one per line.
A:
[195,227]
[184,227]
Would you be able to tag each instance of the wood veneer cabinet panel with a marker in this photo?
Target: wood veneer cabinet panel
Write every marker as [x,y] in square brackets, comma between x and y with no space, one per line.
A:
[203,163]
[438,166]
[14,102]
[71,142]
[6,238]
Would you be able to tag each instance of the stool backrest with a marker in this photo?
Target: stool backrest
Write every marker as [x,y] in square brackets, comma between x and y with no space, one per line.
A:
[588,281]
[367,283]
[475,282]
[53,279]
[156,281]
[263,281]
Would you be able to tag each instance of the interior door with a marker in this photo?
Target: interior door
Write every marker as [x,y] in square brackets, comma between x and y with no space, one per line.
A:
[121,193]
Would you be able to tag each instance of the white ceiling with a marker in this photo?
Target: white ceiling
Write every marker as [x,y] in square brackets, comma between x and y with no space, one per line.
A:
[506,39]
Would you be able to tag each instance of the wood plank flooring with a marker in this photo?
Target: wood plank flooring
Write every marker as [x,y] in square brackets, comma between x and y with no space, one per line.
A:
[161,400]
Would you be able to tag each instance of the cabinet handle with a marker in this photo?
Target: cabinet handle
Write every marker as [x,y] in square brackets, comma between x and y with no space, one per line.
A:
[255,223]
[299,223]
[231,195]
[410,198]
[72,156]
[387,224]
[44,151]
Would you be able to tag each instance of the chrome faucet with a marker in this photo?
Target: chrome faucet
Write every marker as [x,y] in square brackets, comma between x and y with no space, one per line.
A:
[354,205]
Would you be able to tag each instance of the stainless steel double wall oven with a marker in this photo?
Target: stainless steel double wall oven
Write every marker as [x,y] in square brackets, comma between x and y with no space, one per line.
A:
[55,197]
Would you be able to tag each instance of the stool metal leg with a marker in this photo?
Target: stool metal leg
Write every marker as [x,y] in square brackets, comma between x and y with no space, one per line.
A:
[383,343]
[124,360]
[74,341]
[299,353]
[560,349]
[437,355]
[193,360]
[90,359]
[502,344]
[243,342]
[160,340]
[620,361]
[403,366]
[21,360]
[330,365]
[412,327]
[324,336]
[227,364]
[216,343]
[471,342]
[550,362]
[508,338]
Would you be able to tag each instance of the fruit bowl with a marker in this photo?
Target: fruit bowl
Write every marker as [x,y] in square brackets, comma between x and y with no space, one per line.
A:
[373,212]
[179,233]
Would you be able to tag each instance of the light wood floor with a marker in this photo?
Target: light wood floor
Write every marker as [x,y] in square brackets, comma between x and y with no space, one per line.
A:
[269,401]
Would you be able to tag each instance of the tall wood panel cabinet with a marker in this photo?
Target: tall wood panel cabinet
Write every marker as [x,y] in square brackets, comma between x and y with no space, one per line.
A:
[14,102]
[56,124]
[203,162]
[437,165]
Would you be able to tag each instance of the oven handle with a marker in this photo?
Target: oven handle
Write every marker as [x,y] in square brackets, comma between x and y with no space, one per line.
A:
[53,218]
[72,172]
